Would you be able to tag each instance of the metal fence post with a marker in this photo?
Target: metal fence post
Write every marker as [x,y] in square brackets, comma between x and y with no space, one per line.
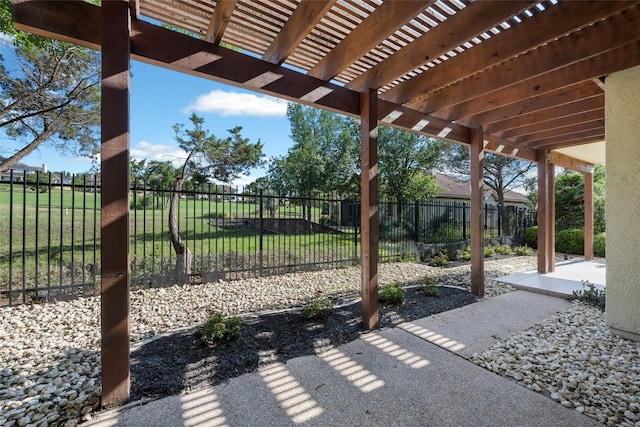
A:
[464,221]
[416,216]
[261,229]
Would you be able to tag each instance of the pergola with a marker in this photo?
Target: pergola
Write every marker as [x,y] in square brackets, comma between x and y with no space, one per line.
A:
[518,78]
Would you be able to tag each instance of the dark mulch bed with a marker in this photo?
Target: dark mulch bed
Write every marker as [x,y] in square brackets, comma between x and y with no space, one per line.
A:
[179,362]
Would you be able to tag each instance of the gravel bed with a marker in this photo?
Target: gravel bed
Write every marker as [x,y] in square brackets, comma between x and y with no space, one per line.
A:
[575,360]
[50,354]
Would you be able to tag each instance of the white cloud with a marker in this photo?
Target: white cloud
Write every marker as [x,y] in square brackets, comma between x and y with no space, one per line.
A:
[161,152]
[238,104]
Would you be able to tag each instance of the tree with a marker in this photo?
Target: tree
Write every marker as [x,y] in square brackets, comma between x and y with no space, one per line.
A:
[405,159]
[208,157]
[501,173]
[324,156]
[569,195]
[52,97]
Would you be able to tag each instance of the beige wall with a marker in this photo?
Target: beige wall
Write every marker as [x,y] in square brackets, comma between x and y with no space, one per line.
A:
[622,105]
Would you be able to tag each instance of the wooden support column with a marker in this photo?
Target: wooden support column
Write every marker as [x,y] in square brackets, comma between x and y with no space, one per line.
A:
[114,209]
[369,207]
[588,215]
[477,211]
[546,213]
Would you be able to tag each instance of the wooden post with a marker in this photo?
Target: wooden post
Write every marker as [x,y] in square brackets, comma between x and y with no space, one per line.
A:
[369,207]
[477,211]
[114,209]
[546,213]
[588,215]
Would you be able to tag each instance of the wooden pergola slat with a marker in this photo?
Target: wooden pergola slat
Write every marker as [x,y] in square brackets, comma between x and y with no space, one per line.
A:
[540,29]
[464,25]
[386,19]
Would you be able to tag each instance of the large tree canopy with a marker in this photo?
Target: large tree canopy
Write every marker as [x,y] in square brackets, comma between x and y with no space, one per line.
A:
[50,94]
[405,160]
[324,156]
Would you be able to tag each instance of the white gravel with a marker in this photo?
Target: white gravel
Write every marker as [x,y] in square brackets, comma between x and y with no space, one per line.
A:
[575,360]
[50,360]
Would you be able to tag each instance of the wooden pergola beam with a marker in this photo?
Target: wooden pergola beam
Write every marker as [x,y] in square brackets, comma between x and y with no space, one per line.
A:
[302,21]
[575,108]
[219,20]
[552,99]
[168,49]
[114,208]
[568,140]
[369,208]
[560,122]
[558,133]
[567,162]
[608,45]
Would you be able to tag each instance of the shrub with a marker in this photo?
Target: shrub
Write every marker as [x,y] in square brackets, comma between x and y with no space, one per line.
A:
[504,249]
[591,295]
[440,260]
[391,294]
[318,308]
[531,237]
[466,254]
[599,244]
[220,327]
[570,241]
[523,250]
[429,287]
[489,251]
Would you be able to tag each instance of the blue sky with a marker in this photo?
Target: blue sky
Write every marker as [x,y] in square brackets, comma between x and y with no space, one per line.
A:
[160,98]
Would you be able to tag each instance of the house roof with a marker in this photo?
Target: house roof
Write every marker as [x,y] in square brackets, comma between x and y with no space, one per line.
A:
[530,73]
[457,189]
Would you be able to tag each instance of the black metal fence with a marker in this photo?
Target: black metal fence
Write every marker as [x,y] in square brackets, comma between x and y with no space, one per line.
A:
[50,234]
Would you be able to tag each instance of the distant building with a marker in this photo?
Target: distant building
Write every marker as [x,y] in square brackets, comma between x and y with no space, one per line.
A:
[458,190]
[20,170]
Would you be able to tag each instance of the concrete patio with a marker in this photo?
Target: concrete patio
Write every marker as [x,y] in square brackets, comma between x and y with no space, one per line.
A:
[417,374]
[567,278]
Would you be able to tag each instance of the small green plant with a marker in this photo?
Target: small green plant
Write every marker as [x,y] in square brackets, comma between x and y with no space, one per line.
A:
[489,251]
[318,308]
[429,287]
[466,254]
[220,327]
[504,249]
[391,294]
[599,244]
[440,260]
[591,295]
[522,250]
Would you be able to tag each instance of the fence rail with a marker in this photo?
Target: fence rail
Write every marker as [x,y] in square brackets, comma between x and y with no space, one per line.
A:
[50,234]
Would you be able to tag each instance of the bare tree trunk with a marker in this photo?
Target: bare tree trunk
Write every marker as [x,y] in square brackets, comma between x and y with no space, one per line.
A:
[183,254]
[14,159]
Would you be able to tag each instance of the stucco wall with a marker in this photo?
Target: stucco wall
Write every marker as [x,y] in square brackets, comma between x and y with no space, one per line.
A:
[622,103]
